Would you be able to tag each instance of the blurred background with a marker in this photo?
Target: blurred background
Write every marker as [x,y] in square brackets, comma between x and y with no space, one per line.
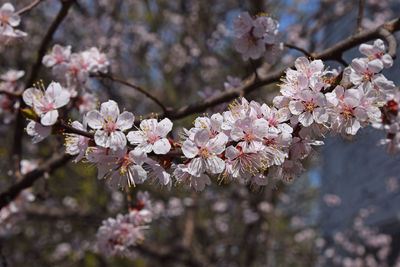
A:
[344,211]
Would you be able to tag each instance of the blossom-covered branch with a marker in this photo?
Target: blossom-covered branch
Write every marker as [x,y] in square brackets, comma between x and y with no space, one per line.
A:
[332,53]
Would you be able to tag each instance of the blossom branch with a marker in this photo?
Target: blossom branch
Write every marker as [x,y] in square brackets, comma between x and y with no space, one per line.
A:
[134,86]
[28,7]
[28,179]
[19,124]
[334,52]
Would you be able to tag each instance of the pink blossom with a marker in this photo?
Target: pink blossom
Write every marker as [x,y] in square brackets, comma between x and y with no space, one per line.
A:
[109,125]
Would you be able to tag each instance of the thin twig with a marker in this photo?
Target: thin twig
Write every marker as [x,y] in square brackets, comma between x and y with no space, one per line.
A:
[360,15]
[28,7]
[302,50]
[134,86]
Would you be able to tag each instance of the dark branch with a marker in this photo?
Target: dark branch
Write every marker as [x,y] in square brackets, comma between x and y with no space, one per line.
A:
[28,179]
[28,7]
[134,86]
[291,46]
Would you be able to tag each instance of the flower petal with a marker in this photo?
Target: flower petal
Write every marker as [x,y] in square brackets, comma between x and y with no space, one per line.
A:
[125,120]
[109,110]
[49,118]
[162,146]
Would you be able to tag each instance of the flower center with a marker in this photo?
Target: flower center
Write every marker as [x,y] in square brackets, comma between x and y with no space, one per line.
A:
[347,112]
[48,106]
[249,137]
[110,127]
[125,163]
[152,137]
[309,105]
[204,153]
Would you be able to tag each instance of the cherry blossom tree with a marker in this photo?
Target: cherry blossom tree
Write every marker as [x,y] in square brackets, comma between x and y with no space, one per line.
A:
[115,99]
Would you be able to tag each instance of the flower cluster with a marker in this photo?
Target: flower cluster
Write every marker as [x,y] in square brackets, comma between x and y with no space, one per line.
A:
[117,235]
[45,105]
[254,37]
[249,143]
[8,21]
[73,71]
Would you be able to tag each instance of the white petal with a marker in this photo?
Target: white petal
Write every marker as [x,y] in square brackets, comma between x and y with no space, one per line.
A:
[118,140]
[201,137]
[149,125]
[306,119]
[94,119]
[136,137]
[196,167]
[215,164]
[109,110]
[231,153]
[101,138]
[217,144]
[189,149]
[296,107]
[125,120]
[162,146]
[164,127]
[31,95]
[49,118]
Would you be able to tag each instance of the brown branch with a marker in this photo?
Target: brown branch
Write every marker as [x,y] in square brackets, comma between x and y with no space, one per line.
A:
[65,128]
[34,71]
[28,179]
[28,7]
[360,15]
[134,86]
[334,52]
[302,50]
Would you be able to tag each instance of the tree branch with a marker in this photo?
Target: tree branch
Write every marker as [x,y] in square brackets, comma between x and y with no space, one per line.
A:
[291,46]
[28,7]
[334,52]
[28,179]
[134,86]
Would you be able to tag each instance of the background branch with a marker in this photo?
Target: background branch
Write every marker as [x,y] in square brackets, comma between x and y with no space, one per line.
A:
[134,86]
[28,7]
[28,179]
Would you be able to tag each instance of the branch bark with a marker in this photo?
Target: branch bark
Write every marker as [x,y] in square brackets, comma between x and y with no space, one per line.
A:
[28,179]
[28,7]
